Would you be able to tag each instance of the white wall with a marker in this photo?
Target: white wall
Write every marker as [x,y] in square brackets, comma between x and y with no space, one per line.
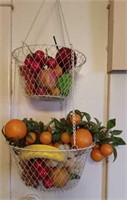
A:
[4,99]
[117,173]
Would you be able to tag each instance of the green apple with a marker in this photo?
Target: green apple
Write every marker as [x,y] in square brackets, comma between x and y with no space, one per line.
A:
[64,83]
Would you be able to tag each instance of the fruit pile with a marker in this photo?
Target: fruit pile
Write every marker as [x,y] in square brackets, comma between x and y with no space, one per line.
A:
[48,75]
[47,174]
[52,155]
[48,169]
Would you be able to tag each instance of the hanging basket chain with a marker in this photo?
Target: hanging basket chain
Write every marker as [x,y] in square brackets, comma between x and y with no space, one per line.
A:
[60,20]
[34,20]
[63,19]
[73,97]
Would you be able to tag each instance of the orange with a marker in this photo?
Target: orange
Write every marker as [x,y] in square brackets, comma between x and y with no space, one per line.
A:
[15,129]
[106,149]
[77,118]
[46,137]
[96,155]
[58,71]
[83,138]
[65,138]
[55,91]
[31,138]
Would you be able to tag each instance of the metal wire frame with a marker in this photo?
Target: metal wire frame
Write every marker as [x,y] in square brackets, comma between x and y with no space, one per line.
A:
[21,53]
[73,164]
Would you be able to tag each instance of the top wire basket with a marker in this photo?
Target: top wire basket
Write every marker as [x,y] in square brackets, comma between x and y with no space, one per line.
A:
[46,71]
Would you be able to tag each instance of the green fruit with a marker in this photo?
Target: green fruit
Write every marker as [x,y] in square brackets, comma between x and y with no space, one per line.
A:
[64,83]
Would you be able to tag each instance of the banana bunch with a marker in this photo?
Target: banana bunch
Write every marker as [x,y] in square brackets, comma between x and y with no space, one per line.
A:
[42,151]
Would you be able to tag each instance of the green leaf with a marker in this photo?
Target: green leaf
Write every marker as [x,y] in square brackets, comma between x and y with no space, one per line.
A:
[78,112]
[87,116]
[33,126]
[69,130]
[74,176]
[63,121]
[58,125]
[97,121]
[106,140]
[40,127]
[95,128]
[55,137]
[114,153]
[118,141]
[111,123]
[47,125]
[83,124]
[116,132]
[101,128]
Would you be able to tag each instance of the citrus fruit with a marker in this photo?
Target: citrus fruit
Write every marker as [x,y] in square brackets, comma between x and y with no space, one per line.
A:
[96,155]
[15,129]
[83,138]
[55,91]
[31,138]
[65,138]
[77,118]
[106,149]
[46,137]
[58,71]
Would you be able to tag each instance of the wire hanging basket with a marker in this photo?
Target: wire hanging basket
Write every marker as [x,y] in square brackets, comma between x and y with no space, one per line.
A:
[51,170]
[46,71]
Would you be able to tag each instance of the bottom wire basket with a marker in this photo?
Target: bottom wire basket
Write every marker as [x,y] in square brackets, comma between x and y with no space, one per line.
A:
[50,170]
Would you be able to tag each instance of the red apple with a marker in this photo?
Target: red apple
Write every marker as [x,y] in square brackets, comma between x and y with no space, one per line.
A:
[29,176]
[51,62]
[35,67]
[41,91]
[41,168]
[48,182]
[38,163]
[42,172]
[28,61]
[29,88]
[38,55]
[23,69]
[64,58]
[30,79]
[47,78]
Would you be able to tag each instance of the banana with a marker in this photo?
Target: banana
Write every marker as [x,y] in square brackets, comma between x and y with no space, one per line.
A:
[42,151]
